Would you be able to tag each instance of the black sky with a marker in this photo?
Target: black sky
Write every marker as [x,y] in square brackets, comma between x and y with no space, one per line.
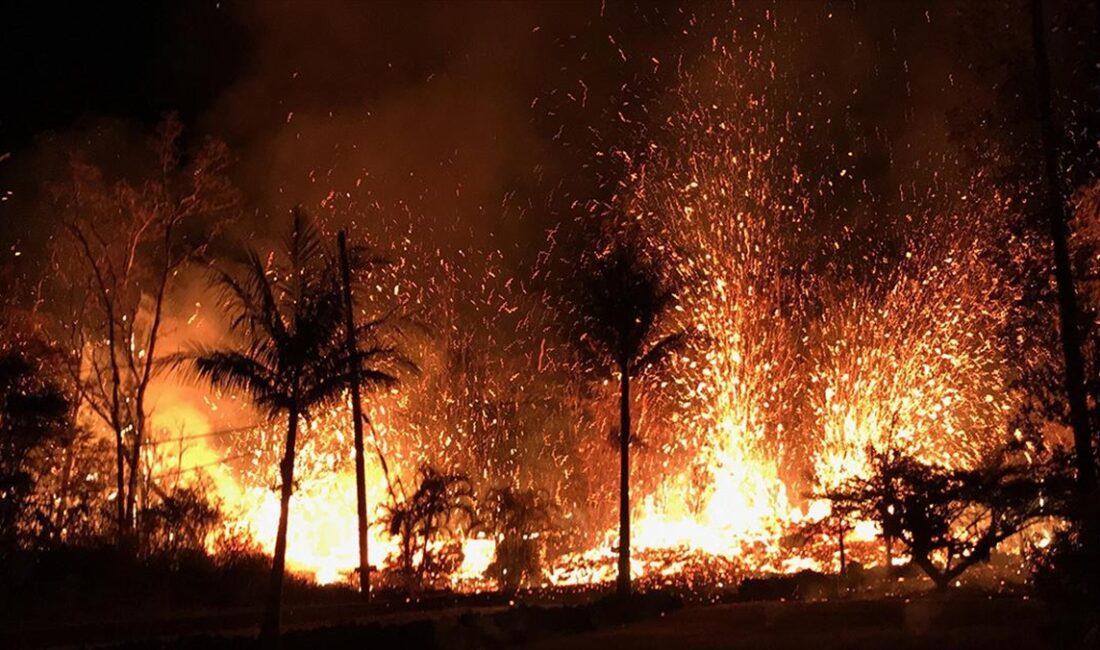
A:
[485,118]
[62,61]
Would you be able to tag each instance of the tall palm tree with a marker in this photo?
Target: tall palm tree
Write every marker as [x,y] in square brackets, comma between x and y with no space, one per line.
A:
[623,299]
[291,358]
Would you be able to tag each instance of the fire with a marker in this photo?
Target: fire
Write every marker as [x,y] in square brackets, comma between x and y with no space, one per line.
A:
[920,368]
[799,369]
[322,535]
[800,372]
[321,539]
[778,401]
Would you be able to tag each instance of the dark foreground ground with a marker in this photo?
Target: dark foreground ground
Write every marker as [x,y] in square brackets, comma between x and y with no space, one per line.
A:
[935,624]
[656,621]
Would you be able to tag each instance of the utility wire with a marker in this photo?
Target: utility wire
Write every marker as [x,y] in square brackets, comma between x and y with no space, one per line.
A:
[220,461]
[209,434]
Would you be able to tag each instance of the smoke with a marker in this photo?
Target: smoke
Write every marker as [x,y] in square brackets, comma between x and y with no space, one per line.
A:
[479,145]
[426,110]
[486,121]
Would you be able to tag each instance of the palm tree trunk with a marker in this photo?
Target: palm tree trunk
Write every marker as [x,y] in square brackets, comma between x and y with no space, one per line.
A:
[269,630]
[624,481]
[1057,220]
[357,420]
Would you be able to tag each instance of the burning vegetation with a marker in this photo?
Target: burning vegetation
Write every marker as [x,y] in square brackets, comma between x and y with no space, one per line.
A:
[712,367]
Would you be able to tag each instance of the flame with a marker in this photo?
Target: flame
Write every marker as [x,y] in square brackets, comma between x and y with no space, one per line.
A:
[750,422]
[799,369]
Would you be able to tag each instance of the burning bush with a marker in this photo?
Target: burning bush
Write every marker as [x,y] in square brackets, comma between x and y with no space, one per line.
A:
[519,519]
[180,522]
[947,519]
[426,521]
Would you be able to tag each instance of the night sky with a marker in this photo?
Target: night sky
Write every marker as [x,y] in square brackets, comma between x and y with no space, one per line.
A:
[847,200]
[488,120]
[66,61]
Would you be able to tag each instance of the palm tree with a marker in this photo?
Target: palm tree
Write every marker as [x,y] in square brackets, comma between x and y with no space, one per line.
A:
[623,299]
[291,359]
[442,500]
[390,326]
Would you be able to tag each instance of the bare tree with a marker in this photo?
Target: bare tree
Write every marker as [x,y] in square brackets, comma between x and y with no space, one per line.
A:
[127,241]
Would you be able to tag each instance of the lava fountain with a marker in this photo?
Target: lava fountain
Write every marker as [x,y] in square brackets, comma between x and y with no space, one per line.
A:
[802,364]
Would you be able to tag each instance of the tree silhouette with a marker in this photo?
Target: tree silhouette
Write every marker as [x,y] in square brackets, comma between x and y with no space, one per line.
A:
[125,247]
[1057,216]
[947,519]
[291,359]
[180,523]
[441,501]
[37,421]
[122,251]
[518,519]
[618,311]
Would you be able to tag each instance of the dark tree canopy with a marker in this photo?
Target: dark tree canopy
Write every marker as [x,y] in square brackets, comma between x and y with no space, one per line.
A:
[948,519]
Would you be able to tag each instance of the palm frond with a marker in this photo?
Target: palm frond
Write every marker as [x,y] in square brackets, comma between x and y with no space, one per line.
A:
[304,247]
[662,351]
[290,317]
[386,358]
[233,370]
[622,296]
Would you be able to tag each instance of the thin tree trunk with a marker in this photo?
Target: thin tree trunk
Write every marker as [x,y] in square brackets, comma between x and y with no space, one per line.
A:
[135,465]
[270,627]
[407,552]
[58,517]
[120,487]
[624,481]
[357,417]
[384,464]
[840,532]
[116,382]
[147,373]
[145,378]
[939,578]
[1057,220]
[889,543]
[120,444]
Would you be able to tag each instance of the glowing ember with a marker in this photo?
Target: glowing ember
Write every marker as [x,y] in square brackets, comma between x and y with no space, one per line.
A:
[801,367]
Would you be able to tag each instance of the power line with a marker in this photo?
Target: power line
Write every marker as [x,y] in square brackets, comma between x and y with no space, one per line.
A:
[220,461]
[209,434]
